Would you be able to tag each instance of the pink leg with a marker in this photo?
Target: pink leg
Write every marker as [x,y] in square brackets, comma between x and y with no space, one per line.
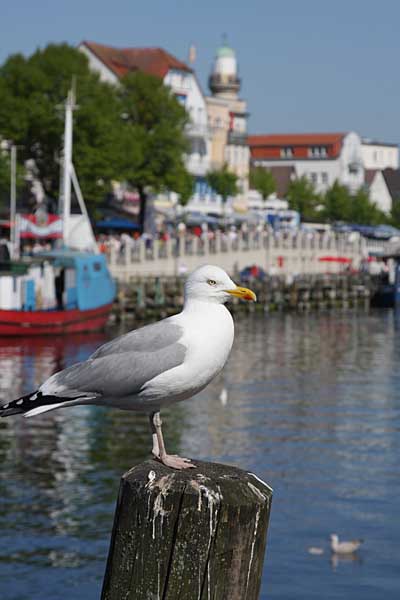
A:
[173,461]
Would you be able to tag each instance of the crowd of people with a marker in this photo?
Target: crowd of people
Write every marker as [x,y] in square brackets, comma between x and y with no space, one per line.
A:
[120,242]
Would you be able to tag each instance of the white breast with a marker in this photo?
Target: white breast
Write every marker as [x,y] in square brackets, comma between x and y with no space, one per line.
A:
[208,336]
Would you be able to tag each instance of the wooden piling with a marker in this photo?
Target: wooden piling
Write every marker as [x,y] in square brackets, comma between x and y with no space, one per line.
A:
[197,534]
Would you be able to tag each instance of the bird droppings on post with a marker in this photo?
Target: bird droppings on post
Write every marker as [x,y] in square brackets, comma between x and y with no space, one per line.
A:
[197,534]
[261,481]
[256,491]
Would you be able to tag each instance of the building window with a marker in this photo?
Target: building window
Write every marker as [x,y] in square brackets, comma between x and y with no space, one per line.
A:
[324,177]
[313,177]
[287,152]
[317,152]
[354,168]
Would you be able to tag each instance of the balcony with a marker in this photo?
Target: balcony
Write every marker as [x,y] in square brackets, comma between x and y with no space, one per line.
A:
[197,130]
[197,165]
[223,83]
[237,138]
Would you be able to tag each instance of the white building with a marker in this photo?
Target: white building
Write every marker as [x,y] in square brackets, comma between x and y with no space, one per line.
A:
[113,63]
[323,158]
[379,155]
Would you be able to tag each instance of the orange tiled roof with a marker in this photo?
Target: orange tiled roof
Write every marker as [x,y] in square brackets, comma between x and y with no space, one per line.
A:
[154,61]
[270,147]
[295,139]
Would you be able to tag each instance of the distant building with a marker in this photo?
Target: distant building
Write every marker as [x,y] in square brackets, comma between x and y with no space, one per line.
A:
[379,155]
[323,157]
[113,63]
[379,192]
[227,118]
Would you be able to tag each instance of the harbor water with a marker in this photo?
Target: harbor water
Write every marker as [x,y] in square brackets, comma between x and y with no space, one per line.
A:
[312,406]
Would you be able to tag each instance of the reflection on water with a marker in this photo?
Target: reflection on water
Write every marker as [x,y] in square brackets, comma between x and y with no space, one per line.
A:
[311,405]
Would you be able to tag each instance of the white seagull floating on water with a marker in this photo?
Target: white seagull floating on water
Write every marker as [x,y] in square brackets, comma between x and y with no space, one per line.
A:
[154,366]
[346,547]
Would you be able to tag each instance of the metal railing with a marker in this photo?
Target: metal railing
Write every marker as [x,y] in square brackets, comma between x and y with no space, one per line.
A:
[293,253]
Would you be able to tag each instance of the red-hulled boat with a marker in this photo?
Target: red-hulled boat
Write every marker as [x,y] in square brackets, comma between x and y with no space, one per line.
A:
[14,322]
[60,291]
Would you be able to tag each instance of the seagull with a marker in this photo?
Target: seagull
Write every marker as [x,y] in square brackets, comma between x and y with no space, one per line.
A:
[153,366]
[348,547]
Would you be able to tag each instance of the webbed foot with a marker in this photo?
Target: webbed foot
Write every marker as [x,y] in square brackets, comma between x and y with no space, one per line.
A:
[176,462]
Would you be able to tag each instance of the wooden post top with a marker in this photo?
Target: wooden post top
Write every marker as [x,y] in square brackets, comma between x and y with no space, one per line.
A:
[197,534]
[213,477]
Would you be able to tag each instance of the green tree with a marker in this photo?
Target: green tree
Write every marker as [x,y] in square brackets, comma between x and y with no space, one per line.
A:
[223,182]
[395,212]
[154,138]
[302,197]
[363,211]
[5,179]
[263,181]
[337,203]
[32,95]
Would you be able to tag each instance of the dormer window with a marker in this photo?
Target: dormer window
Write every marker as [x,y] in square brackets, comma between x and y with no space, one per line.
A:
[287,152]
[317,152]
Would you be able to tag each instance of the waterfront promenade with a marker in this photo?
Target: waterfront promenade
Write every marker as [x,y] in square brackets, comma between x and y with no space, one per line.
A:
[279,253]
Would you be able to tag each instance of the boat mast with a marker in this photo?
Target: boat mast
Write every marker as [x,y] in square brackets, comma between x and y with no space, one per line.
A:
[66,180]
[13,201]
[68,175]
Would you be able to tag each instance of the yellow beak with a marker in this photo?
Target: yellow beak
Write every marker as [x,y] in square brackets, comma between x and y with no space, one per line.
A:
[243,293]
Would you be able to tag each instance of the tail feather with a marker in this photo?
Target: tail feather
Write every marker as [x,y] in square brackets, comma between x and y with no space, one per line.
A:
[35,403]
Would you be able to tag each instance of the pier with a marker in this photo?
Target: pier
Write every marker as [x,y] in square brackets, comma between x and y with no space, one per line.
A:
[290,252]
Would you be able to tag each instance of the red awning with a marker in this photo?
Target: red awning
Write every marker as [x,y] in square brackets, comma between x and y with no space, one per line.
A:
[339,259]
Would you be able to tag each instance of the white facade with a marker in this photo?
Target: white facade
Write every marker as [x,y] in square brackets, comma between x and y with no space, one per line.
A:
[187,90]
[377,155]
[379,193]
[347,168]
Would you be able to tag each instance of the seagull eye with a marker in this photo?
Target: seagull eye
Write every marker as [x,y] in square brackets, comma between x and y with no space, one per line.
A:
[211,282]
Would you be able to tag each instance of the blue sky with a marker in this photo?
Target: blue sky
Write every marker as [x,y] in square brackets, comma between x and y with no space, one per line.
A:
[306,65]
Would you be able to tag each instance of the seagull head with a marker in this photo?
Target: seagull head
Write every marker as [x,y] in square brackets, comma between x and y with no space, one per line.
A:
[210,283]
[334,538]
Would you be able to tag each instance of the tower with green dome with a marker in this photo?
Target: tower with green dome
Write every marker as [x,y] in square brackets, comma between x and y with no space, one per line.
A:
[224,81]
[227,118]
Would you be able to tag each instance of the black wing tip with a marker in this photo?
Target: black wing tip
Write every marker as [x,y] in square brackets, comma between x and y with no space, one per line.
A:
[8,412]
[20,405]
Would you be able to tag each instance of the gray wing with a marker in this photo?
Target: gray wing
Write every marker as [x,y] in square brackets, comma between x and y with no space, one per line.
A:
[122,366]
[149,338]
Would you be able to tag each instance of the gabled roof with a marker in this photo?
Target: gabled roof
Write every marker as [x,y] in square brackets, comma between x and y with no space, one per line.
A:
[154,61]
[392,178]
[296,139]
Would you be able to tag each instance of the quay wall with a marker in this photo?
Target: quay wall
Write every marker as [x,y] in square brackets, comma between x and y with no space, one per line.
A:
[281,253]
[155,297]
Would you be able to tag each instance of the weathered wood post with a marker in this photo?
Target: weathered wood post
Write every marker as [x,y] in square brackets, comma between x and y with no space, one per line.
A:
[197,534]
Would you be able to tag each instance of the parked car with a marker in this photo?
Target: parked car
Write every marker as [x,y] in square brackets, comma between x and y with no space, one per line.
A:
[252,272]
